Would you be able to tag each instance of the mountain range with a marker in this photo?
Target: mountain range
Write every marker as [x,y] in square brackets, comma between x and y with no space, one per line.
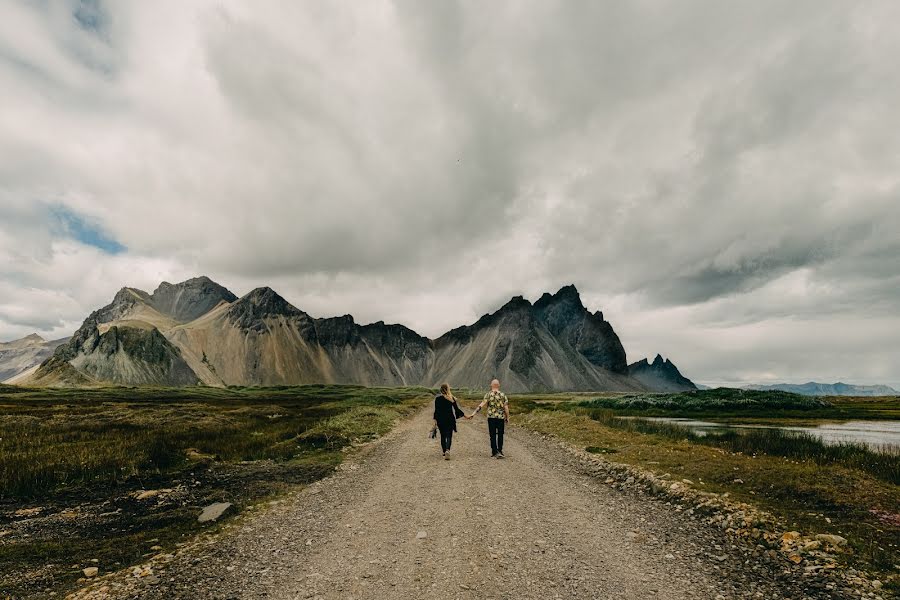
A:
[20,357]
[828,389]
[198,332]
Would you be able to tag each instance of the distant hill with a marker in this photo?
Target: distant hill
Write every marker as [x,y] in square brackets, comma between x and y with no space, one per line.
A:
[199,332]
[660,375]
[21,356]
[828,389]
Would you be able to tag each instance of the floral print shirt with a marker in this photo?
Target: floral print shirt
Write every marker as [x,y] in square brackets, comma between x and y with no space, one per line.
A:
[496,403]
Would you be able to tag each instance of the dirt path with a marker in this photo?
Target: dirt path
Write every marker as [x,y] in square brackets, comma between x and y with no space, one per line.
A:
[529,526]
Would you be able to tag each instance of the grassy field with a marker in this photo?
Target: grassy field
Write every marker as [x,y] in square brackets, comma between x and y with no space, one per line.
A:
[847,490]
[72,463]
[723,403]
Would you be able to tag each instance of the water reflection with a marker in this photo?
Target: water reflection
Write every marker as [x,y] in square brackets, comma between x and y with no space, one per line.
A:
[879,435]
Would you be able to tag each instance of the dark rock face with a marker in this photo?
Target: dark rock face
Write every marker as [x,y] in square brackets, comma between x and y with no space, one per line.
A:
[335,332]
[554,344]
[149,358]
[591,336]
[660,375]
[251,312]
[189,299]
[396,341]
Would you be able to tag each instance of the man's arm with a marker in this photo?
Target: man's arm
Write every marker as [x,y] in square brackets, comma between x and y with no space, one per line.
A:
[506,408]
[479,407]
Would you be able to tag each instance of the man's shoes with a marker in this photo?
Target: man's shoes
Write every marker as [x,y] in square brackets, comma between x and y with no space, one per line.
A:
[447,455]
[500,454]
[493,455]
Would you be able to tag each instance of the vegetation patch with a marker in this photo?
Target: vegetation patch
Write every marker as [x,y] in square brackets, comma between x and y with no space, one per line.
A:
[113,475]
[718,399]
[777,442]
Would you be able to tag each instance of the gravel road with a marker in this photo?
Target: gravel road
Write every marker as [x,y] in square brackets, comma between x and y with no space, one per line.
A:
[398,521]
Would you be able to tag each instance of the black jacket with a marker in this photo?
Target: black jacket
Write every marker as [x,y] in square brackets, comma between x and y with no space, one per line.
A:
[446,412]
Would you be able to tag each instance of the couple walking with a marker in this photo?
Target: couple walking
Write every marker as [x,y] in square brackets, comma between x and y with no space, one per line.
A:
[447,411]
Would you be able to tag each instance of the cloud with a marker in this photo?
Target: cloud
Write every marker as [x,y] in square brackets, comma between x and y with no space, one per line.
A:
[705,173]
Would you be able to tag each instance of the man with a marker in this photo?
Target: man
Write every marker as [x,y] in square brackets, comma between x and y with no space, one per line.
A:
[498,416]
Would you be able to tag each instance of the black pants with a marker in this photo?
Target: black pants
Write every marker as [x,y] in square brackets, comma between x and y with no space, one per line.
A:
[495,430]
[446,438]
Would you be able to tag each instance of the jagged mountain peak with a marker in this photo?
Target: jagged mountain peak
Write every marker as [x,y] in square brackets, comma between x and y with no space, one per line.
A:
[661,374]
[201,281]
[515,303]
[33,338]
[268,298]
[568,294]
[128,295]
[190,299]
[249,311]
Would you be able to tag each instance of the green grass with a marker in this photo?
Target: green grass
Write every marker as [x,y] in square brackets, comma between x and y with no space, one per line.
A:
[775,442]
[53,439]
[720,399]
[737,404]
[91,449]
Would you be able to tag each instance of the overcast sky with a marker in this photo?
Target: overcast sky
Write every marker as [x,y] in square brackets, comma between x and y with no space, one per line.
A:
[722,179]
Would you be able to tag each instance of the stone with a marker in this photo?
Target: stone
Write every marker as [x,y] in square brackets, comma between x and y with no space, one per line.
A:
[834,540]
[790,536]
[90,571]
[145,494]
[214,511]
[422,535]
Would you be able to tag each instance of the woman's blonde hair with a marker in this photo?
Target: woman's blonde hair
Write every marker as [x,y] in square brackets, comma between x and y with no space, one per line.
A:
[445,391]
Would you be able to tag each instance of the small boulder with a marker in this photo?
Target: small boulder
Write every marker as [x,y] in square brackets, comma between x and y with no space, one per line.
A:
[834,540]
[790,536]
[145,494]
[421,535]
[90,571]
[214,511]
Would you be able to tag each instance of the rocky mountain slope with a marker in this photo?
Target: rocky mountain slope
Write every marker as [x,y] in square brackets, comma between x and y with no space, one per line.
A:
[553,344]
[660,375]
[19,357]
[828,389]
[199,332]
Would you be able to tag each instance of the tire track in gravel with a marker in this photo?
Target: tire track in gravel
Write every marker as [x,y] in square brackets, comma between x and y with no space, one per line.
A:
[529,526]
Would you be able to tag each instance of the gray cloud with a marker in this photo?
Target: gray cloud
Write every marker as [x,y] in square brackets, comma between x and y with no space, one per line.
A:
[720,179]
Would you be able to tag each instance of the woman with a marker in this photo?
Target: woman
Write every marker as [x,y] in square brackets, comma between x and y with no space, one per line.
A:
[446,412]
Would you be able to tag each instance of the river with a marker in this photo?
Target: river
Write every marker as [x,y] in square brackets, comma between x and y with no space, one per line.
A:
[878,435]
